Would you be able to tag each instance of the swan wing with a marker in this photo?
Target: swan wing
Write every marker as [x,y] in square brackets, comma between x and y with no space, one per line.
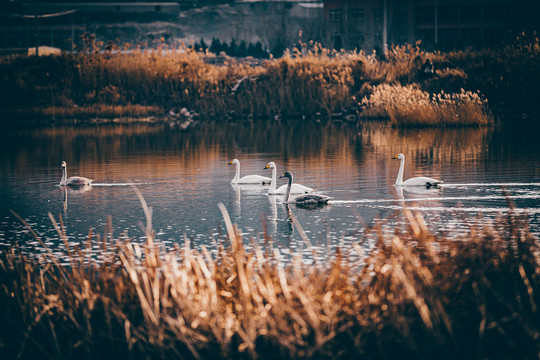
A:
[301,189]
[254,179]
[295,189]
[422,181]
[78,181]
[312,199]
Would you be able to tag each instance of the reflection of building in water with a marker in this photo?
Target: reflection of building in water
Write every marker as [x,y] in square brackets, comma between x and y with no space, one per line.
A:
[446,24]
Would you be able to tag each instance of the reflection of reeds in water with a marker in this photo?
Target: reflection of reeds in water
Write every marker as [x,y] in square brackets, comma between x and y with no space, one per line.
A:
[106,111]
[461,146]
[440,143]
[91,149]
[416,296]
[319,153]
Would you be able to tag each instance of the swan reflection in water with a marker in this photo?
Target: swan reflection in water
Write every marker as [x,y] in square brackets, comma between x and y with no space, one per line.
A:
[72,190]
[412,191]
[282,223]
[247,190]
[419,200]
[255,191]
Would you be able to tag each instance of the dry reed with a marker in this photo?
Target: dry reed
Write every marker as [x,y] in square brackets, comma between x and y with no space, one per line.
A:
[311,82]
[417,295]
[409,105]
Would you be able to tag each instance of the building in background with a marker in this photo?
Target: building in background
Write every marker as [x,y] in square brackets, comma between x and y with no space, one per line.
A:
[439,24]
[63,23]
[339,24]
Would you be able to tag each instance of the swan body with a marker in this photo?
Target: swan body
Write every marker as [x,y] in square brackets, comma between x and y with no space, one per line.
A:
[295,189]
[248,179]
[305,199]
[74,180]
[415,181]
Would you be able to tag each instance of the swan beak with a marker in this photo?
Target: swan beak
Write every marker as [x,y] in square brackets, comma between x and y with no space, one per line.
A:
[230,163]
[395,157]
[267,167]
[281,176]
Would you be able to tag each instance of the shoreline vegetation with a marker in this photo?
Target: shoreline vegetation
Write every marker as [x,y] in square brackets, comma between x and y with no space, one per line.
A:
[417,295]
[309,82]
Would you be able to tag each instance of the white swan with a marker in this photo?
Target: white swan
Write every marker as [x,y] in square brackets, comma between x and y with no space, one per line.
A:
[248,179]
[296,188]
[305,199]
[416,181]
[74,180]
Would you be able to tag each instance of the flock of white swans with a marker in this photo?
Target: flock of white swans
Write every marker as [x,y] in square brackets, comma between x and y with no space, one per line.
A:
[306,195]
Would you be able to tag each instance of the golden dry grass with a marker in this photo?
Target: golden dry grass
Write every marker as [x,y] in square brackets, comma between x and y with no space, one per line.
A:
[311,82]
[416,296]
[410,105]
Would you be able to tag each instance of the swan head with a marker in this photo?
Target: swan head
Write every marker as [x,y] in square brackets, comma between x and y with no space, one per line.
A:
[270,165]
[234,161]
[64,164]
[287,174]
[399,157]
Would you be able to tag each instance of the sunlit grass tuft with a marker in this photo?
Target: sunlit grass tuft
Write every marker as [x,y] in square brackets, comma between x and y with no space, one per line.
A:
[409,105]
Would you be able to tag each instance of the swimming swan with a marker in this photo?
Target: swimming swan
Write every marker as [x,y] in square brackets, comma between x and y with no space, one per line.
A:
[74,180]
[296,188]
[305,199]
[249,179]
[416,181]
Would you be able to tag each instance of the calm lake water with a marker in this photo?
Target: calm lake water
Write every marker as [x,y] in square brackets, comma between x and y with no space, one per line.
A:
[183,175]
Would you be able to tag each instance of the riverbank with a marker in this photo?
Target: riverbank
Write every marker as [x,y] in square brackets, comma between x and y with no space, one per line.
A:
[465,88]
[416,295]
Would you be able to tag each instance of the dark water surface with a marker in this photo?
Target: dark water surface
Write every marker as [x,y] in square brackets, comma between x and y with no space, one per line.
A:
[184,175]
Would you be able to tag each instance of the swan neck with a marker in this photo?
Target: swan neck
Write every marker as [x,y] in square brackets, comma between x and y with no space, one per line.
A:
[237,173]
[399,179]
[64,176]
[273,181]
[288,191]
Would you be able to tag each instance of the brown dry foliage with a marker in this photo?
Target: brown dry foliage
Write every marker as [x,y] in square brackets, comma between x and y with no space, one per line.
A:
[314,82]
[417,295]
